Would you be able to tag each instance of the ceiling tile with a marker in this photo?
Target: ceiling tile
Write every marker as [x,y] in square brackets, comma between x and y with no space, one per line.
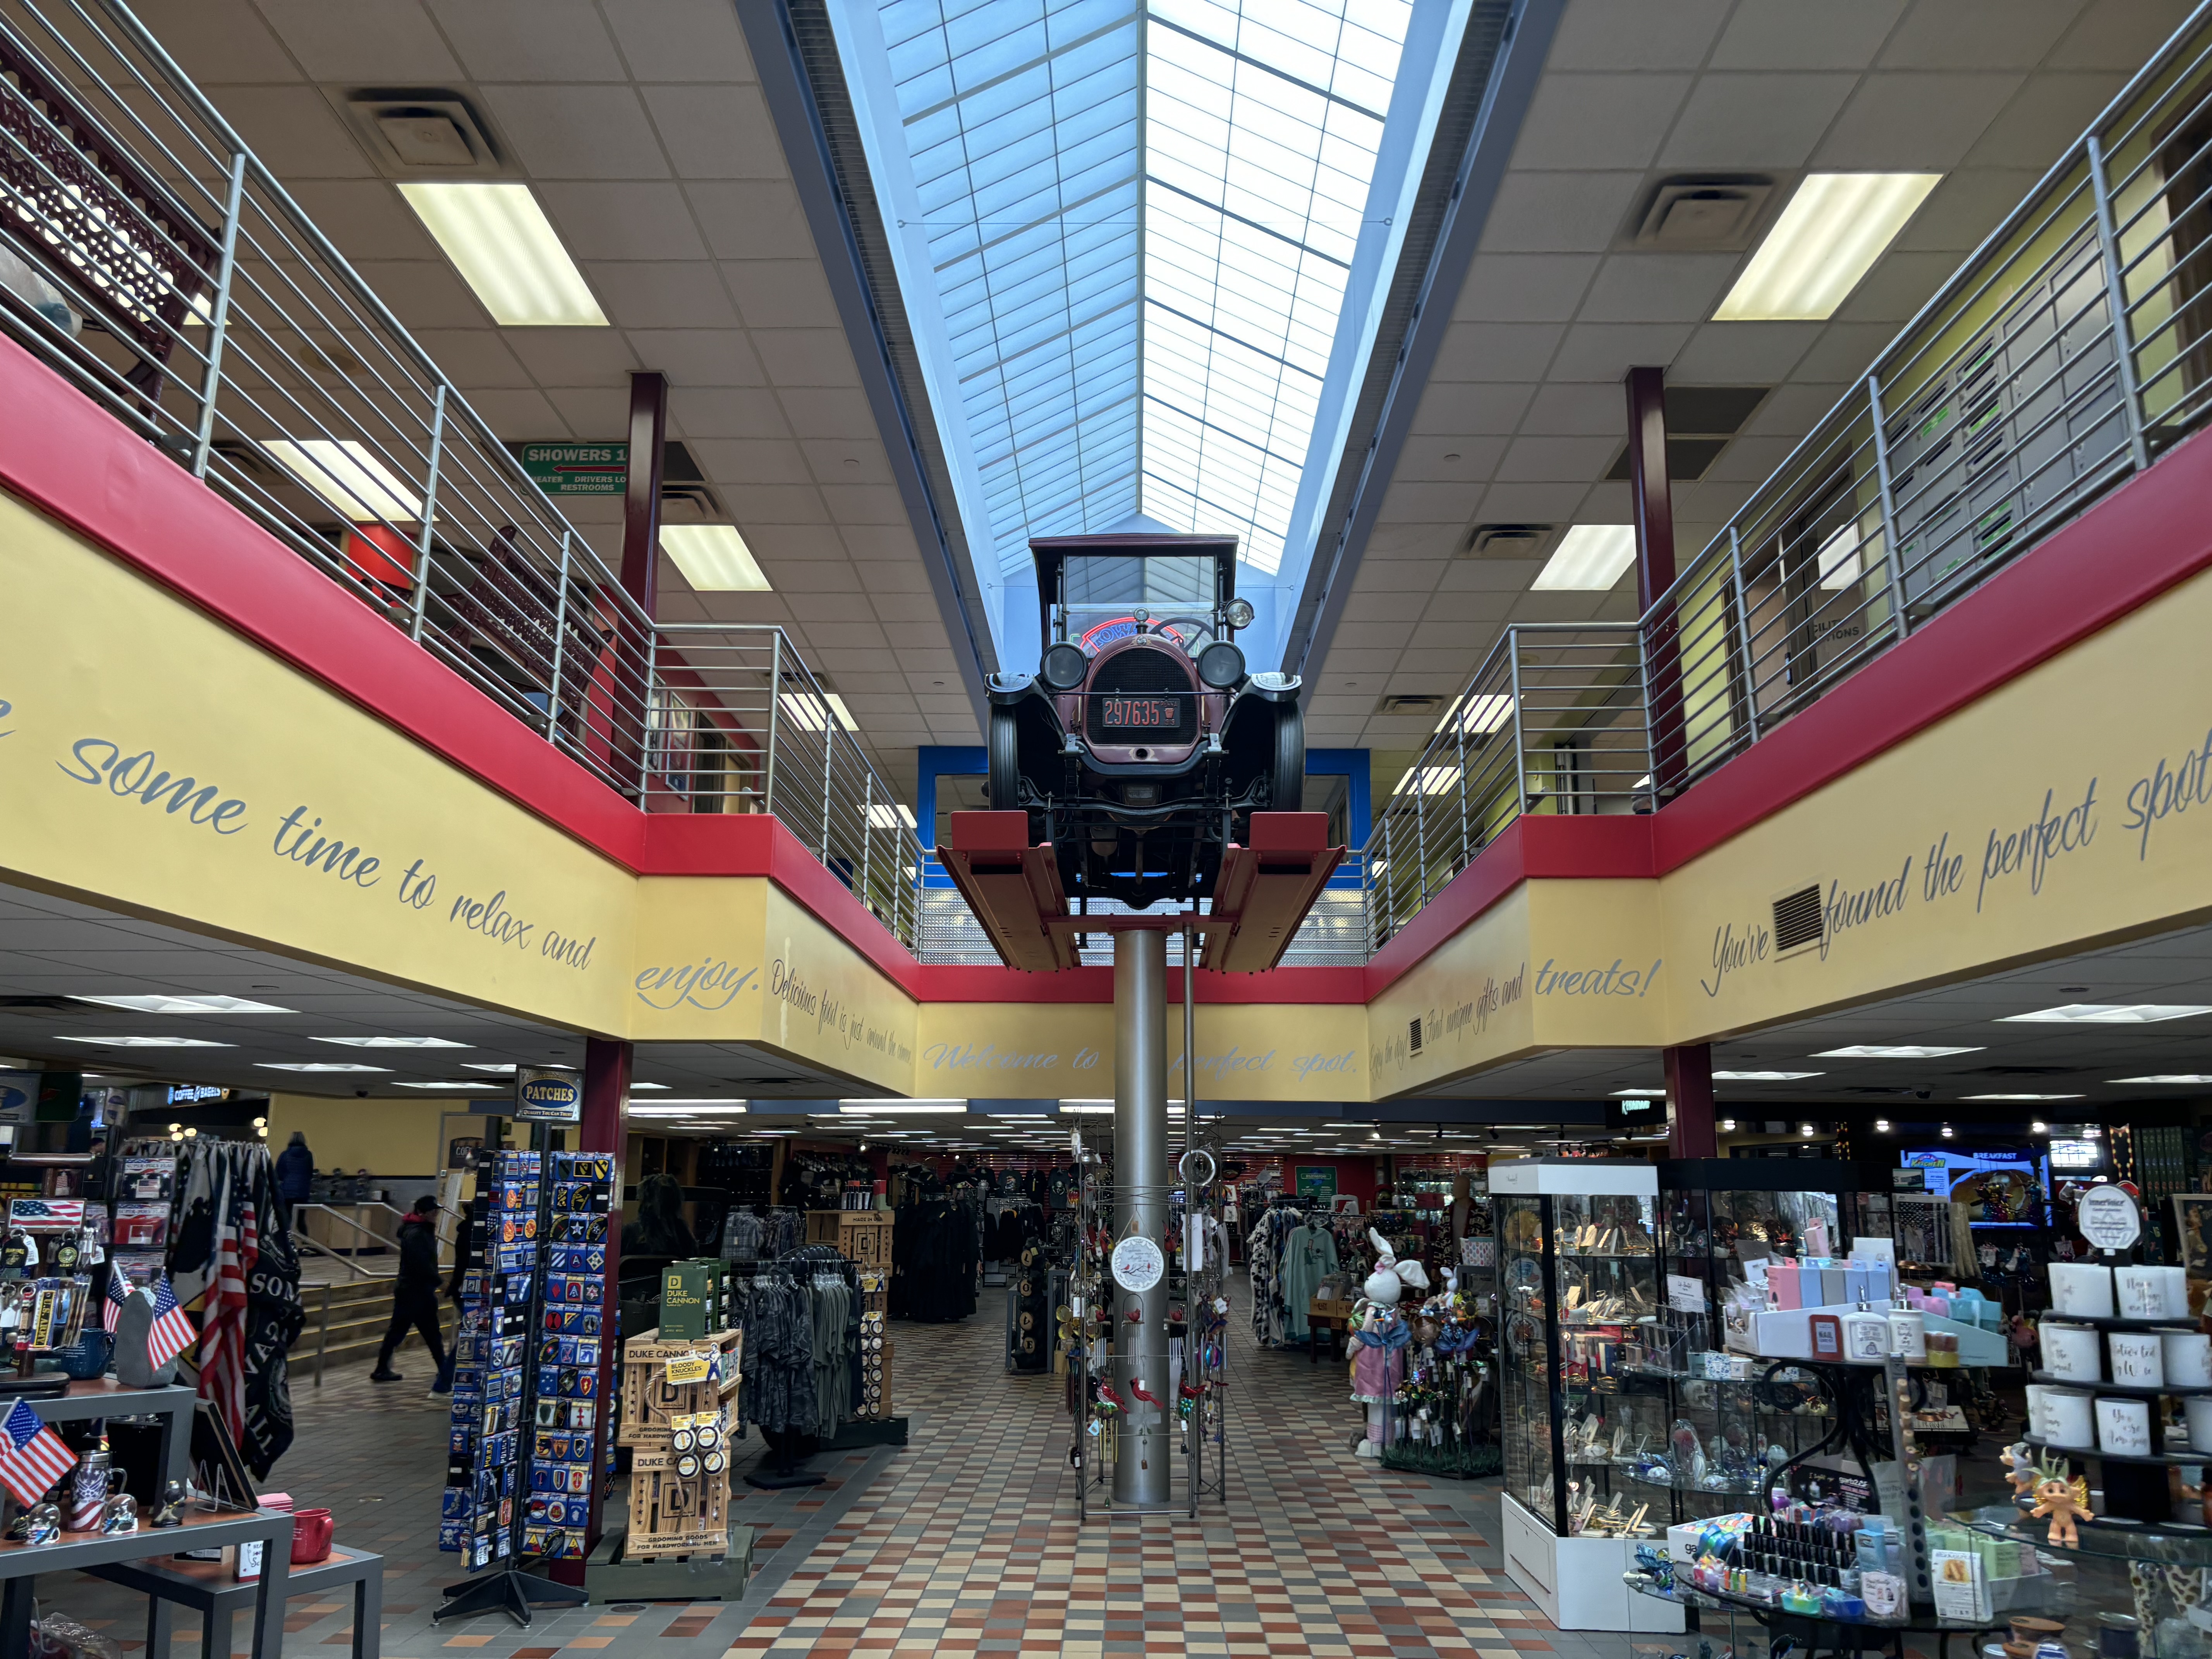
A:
[1796,407]
[766,504]
[296,124]
[1760,119]
[1977,34]
[830,412]
[1415,541]
[578,131]
[1384,607]
[473,358]
[837,461]
[1450,407]
[750,461]
[680,39]
[1587,121]
[752,218]
[1844,350]
[1545,460]
[895,578]
[1914,122]
[1897,287]
[1523,287]
[1447,460]
[2119,34]
[1742,354]
[780,293]
[1806,34]
[362,41]
[218,42]
[805,356]
[520,417]
[1607,351]
[634,220]
[1658,287]
[425,294]
[725,412]
[717,131]
[529,39]
[1487,605]
[1558,213]
[699,356]
[2046,116]
[880,542]
[1529,503]
[365,216]
[1505,351]
[1429,503]
[1582,408]
[1635,34]
[663,295]
[861,503]
[593,413]
[574,356]
[1966,206]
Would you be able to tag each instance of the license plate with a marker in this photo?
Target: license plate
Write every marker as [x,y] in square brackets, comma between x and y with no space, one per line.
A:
[1148,716]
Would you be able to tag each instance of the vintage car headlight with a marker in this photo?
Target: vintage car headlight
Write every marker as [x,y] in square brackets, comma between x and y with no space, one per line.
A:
[1063,666]
[1221,665]
[1239,613]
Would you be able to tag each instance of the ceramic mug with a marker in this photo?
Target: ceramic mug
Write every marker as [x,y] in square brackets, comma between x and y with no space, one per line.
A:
[2081,1287]
[2069,1352]
[2188,1357]
[2138,1358]
[2068,1419]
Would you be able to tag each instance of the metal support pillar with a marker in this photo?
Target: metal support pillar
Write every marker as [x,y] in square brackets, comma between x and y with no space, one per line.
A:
[1143,1459]
[1691,1132]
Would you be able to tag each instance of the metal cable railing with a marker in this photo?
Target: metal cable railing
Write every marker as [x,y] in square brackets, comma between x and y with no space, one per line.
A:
[147,254]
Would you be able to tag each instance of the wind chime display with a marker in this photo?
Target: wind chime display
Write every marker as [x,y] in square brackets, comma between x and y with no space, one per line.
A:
[1445,1412]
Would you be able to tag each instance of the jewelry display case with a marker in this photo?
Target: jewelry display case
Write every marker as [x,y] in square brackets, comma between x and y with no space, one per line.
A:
[1580,1305]
[1727,1429]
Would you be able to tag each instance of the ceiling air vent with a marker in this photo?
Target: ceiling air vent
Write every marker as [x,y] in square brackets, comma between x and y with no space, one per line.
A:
[1799,920]
[1409,702]
[1508,541]
[423,133]
[1701,215]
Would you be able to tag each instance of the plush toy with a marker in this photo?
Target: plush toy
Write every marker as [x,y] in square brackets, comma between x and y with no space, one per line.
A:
[1380,1340]
[2063,1504]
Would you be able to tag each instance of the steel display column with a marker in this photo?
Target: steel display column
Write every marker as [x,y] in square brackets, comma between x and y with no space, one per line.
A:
[1143,1458]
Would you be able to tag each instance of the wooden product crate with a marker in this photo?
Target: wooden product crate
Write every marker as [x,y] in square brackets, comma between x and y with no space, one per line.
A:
[875,1290]
[860,1236]
[671,1515]
[649,1399]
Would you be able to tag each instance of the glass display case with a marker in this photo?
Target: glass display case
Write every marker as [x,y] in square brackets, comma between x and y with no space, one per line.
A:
[1728,1432]
[1580,1303]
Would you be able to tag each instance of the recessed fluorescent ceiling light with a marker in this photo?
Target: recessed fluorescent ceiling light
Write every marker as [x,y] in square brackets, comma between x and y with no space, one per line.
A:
[395,1042]
[315,1065]
[1763,1076]
[1428,781]
[501,241]
[634,1087]
[504,1069]
[2108,1013]
[1893,1051]
[1478,713]
[463,1082]
[190,1004]
[2023,1097]
[1091,1107]
[2168,1076]
[1643,1094]
[713,558]
[1835,225]
[349,476]
[871,1107]
[890,817]
[147,1043]
[803,710]
[1589,559]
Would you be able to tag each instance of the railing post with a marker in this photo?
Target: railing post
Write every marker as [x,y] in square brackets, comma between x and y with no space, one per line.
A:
[429,517]
[560,642]
[1519,748]
[867,825]
[2116,300]
[1460,720]
[1389,871]
[775,713]
[645,743]
[219,318]
[1893,551]
[829,760]
[323,1337]
[1743,632]
[1421,821]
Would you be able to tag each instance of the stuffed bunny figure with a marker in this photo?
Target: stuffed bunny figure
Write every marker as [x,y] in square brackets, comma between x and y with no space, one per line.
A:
[1378,1361]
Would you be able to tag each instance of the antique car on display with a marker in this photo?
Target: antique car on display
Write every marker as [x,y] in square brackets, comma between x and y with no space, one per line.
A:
[1142,745]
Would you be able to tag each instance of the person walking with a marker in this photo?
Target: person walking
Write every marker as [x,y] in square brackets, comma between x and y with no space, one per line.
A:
[295,1170]
[414,1296]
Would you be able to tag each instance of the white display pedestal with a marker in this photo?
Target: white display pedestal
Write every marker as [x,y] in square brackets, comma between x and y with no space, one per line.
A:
[1576,1582]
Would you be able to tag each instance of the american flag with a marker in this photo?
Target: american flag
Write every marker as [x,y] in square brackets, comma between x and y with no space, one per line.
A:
[35,1456]
[222,1315]
[172,1333]
[118,1298]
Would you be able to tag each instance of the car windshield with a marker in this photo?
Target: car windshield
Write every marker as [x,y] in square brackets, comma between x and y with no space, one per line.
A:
[1176,582]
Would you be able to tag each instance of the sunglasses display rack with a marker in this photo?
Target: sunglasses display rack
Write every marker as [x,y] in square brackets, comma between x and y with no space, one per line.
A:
[525,1453]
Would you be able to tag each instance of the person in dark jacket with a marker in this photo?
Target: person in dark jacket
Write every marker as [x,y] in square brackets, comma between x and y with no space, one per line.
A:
[295,1170]
[414,1296]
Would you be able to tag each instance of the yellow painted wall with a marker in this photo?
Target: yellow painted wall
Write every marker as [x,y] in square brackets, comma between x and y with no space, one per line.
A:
[385,1137]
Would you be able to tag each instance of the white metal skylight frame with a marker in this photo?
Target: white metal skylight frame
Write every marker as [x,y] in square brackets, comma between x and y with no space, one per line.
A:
[1134,241]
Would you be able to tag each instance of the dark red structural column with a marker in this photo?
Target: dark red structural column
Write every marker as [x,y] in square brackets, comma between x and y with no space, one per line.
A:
[640,565]
[1690,1131]
[606,1093]
[1652,499]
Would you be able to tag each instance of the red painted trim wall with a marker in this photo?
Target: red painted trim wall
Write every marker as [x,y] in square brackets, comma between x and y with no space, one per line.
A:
[67,457]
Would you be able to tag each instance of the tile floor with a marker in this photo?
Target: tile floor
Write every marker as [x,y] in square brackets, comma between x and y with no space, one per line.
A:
[965,1541]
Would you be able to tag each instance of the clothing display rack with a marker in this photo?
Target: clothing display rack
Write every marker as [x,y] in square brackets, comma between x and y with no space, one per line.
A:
[802,1327]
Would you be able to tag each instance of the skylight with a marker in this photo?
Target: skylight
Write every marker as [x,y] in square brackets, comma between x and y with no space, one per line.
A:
[1126,238]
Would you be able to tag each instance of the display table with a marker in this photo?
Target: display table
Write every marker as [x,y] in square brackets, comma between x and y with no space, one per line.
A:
[1870,1633]
[86,1551]
[208,1588]
[103,1397]
[1332,1318]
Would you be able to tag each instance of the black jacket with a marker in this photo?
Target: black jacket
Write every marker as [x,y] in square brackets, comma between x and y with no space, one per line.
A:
[418,1255]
